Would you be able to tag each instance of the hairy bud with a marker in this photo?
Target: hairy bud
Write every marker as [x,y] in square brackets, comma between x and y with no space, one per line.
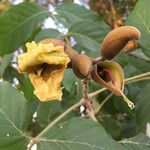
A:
[81,65]
[115,41]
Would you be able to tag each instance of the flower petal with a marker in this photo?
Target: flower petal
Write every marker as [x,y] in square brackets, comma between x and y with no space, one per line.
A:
[45,65]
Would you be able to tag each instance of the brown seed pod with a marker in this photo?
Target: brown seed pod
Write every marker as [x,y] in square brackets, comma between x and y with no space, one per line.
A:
[68,50]
[81,65]
[115,41]
[109,74]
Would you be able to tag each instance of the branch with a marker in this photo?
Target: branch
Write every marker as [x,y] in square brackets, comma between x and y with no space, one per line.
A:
[87,103]
[53,123]
[137,76]
[128,80]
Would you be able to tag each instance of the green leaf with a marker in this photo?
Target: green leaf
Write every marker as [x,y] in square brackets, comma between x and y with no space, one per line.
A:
[10,73]
[139,53]
[69,79]
[15,117]
[88,35]
[5,63]
[126,64]
[49,33]
[47,111]
[140,19]
[96,31]
[28,89]
[87,44]
[78,134]
[139,142]
[142,107]
[71,13]
[18,24]
[140,64]
[13,143]
[112,127]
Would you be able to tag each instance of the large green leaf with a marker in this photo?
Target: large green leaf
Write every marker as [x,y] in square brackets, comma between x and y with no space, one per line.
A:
[78,134]
[47,111]
[10,73]
[49,33]
[69,79]
[140,64]
[142,107]
[15,117]
[88,35]
[5,63]
[140,19]
[71,13]
[96,31]
[87,44]
[28,89]
[18,24]
[139,142]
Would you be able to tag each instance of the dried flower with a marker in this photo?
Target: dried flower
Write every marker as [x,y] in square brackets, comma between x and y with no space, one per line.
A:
[45,65]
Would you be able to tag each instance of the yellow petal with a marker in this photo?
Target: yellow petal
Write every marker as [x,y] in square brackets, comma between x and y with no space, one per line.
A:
[45,64]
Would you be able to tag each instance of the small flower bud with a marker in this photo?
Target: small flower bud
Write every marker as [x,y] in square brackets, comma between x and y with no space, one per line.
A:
[116,40]
[81,65]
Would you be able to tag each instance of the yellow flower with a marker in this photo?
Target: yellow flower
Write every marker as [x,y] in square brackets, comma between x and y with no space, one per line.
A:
[4,5]
[45,65]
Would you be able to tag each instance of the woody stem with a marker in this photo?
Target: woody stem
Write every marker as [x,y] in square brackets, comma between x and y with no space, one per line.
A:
[81,102]
[87,102]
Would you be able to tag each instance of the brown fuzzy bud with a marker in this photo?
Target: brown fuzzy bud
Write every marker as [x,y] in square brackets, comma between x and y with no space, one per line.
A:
[115,41]
[81,65]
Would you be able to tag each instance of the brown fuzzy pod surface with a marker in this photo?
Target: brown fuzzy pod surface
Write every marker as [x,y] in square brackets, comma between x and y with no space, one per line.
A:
[81,65]
[116,40]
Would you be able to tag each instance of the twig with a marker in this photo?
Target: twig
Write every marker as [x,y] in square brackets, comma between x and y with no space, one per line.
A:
[139,79]
[37,138]
[97,92]
[67,40]
[127,81]
[87,102]
[137,76]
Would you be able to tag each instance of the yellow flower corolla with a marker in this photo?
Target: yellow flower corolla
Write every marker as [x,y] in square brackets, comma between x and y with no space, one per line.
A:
[45,65]
[4,5]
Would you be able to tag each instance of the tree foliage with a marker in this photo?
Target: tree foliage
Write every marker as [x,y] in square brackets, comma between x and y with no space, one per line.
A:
[117,127]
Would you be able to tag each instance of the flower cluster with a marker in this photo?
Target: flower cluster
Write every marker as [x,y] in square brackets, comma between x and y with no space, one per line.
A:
[46,62]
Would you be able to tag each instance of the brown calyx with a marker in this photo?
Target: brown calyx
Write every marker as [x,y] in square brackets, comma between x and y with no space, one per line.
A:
[109,74]
[116,40]
[81,65]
